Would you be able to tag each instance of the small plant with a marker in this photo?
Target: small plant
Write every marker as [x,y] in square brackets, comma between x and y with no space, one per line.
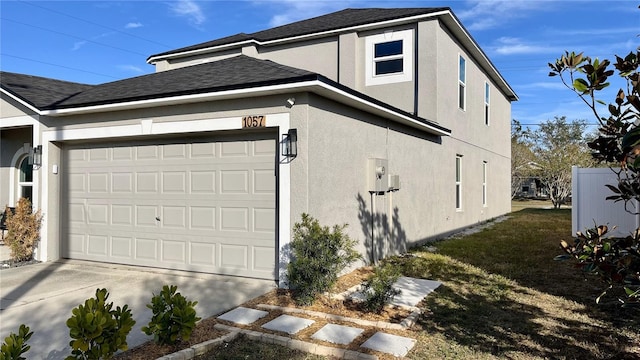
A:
[16,344]
[378,289]
[319,254]
[615,260]
[174,318]
[23,230]
[97,330]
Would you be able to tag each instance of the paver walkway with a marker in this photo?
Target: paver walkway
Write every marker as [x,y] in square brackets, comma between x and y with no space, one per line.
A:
[412,292]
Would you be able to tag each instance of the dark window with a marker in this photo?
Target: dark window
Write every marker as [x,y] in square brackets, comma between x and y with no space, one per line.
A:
[26,171]
[388,49]
[389,66]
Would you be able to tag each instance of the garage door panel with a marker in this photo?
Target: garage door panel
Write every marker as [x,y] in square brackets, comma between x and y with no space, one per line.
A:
[202,206]
[121,247]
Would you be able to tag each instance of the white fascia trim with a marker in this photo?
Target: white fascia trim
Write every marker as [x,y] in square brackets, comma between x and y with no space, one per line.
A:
[274,89]
[17,121]
[299,37]
[22,102]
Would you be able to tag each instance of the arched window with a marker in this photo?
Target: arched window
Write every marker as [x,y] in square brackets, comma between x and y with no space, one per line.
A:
[25,180]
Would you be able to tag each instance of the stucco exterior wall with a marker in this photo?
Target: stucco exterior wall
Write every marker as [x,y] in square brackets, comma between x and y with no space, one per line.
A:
[10,108]
[320,56]
[331,172]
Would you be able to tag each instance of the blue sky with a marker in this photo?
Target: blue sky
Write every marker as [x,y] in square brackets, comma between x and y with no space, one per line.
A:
[101,41]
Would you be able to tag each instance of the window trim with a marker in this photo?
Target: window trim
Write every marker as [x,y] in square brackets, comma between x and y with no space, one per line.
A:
[487,102]
[484,184]
[406,36]
[24,184]
[462,83]
[458,178]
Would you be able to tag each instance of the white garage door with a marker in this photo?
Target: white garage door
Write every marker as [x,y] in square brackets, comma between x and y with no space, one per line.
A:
[193,205]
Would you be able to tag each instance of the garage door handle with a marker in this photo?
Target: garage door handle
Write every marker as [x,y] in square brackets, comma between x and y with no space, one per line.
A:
[157,218]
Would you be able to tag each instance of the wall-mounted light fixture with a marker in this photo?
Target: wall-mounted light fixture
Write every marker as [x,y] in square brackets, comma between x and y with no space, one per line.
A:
[291,101]
[290,143]
[35,156]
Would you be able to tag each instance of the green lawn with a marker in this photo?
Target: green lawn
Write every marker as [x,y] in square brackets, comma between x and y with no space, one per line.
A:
[504,297]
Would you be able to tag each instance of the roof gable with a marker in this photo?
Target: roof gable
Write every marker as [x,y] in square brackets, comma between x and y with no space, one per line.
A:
[343,19]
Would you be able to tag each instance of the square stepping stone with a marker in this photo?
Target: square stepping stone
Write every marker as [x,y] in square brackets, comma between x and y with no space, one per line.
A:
[243,315]
[288,324]
[337,334]
[412,290]
[390,344]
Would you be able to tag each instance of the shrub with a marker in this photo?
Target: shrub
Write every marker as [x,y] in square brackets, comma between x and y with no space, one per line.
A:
[378,289]
[97,331]
[319,254]
[174,318]
[23,228]
[16,344]
[615,260]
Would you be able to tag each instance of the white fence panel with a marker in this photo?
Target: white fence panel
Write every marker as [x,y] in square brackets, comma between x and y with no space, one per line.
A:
[588,202]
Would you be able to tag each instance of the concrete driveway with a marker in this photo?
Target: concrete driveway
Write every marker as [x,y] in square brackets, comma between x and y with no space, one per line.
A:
[43,295]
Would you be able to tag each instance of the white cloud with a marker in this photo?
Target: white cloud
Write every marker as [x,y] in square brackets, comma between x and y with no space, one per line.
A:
[133,25]
[487,14]
[516,46]
[77,45]
[542,85]
[189,9]
[131,68]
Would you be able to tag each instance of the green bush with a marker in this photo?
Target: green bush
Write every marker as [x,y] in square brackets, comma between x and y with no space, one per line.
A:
[97,331]
[378,289]
[615,260]
[319,254]
[174,318]
[16,344]
[23,230]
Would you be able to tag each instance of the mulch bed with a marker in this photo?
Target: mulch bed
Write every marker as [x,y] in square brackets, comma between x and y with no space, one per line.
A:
[205,331]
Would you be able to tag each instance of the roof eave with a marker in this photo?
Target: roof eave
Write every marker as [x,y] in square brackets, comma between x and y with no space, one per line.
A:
[318,86]
[456,27]
[22,101]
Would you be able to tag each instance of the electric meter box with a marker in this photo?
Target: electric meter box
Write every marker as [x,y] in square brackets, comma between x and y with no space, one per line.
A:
[378,175]
[394,182]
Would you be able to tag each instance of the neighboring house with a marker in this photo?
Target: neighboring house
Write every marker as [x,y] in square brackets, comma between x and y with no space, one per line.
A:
[391,120]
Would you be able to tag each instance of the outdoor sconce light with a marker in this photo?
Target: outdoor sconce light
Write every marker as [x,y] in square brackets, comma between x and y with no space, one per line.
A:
[290,144]
[35,156]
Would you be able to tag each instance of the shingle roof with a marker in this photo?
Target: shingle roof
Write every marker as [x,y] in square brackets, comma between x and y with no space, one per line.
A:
[239,72]
[236,72]
[38,91]
[334,21]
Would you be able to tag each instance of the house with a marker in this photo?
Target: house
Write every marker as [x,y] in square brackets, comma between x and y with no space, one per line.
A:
[391,120]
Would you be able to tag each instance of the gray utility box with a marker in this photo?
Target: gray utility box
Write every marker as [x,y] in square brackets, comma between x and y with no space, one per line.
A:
[378,175]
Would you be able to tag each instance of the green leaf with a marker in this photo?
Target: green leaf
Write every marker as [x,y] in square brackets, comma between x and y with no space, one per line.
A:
[580,85]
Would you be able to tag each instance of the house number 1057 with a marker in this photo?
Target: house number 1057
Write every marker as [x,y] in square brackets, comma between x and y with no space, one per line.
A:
[253,121]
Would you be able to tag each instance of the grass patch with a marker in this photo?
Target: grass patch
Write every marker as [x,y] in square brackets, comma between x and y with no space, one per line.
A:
[503,296]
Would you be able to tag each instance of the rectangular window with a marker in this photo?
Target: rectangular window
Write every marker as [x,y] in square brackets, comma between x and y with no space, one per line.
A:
[458,182]
[486,103]
[484,183]
[462,82]
[389,57]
